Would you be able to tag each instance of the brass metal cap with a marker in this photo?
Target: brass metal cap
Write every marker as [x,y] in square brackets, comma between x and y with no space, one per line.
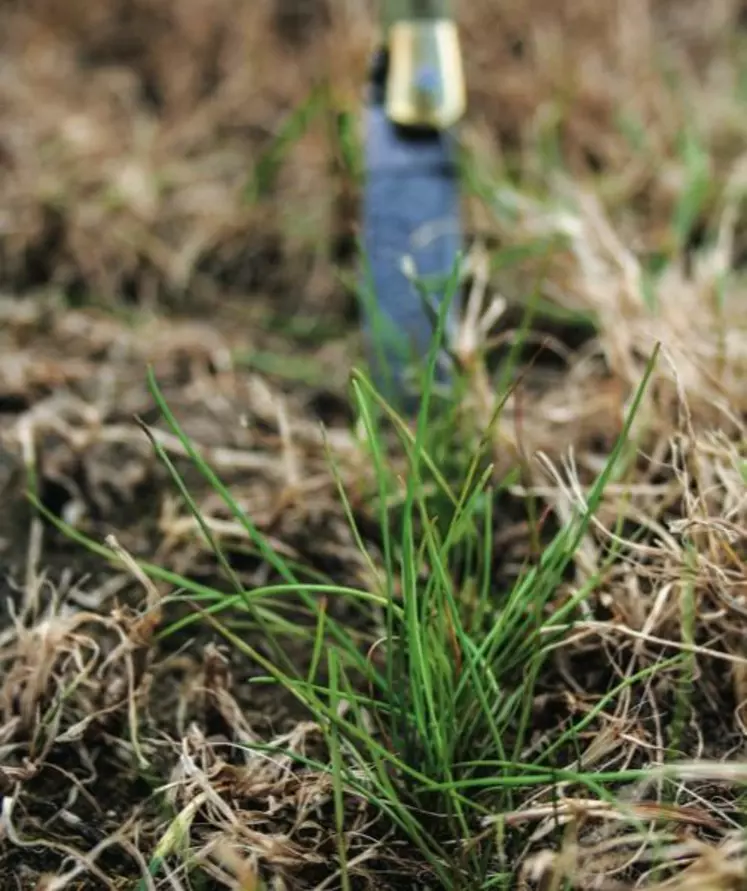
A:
[425,84]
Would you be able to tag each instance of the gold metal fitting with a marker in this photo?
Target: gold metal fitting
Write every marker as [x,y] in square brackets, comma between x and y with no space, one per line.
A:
[425,84]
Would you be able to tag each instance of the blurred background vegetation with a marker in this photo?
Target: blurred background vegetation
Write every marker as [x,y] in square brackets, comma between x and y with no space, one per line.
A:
[168,151]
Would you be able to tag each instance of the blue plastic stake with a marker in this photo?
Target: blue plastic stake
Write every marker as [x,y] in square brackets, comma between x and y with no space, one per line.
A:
[411,223]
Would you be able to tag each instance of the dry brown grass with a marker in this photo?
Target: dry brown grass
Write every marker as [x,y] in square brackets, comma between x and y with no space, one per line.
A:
[129,130]
[127,134]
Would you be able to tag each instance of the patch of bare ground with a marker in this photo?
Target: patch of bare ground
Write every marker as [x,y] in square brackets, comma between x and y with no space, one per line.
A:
[611,134]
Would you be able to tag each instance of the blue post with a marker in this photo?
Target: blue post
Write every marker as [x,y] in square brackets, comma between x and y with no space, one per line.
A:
[411,212]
